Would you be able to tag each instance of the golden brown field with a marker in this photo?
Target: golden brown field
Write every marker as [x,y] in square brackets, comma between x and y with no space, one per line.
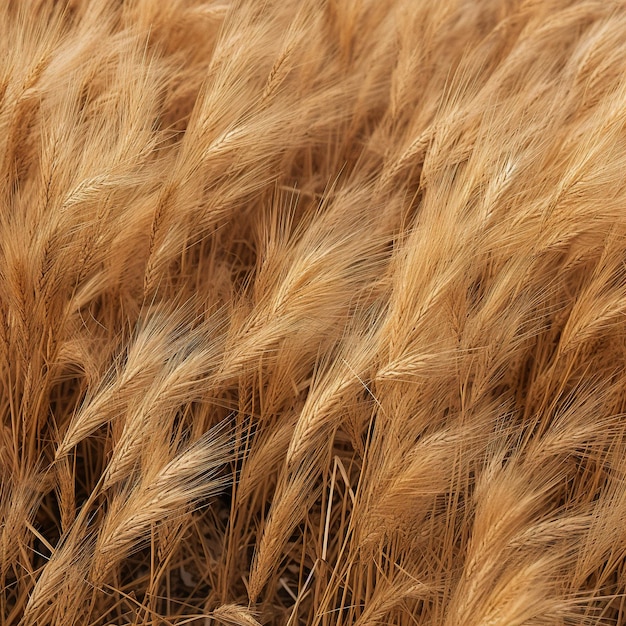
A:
[312,312]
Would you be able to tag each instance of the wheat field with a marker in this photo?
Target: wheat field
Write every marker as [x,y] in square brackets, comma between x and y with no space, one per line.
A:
[312,312]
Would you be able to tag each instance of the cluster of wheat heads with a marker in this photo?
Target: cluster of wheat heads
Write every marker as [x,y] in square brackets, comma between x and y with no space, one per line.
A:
[312,312]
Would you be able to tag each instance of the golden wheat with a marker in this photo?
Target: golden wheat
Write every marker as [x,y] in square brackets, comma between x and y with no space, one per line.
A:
[312,312]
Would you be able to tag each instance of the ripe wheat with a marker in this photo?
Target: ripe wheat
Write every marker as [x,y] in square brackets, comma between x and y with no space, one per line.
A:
[312,312]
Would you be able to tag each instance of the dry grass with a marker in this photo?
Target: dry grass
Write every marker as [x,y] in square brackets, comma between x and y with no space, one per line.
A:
[312,312]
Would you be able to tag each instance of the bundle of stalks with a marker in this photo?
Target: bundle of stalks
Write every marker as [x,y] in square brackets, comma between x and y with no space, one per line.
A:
[312,312]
